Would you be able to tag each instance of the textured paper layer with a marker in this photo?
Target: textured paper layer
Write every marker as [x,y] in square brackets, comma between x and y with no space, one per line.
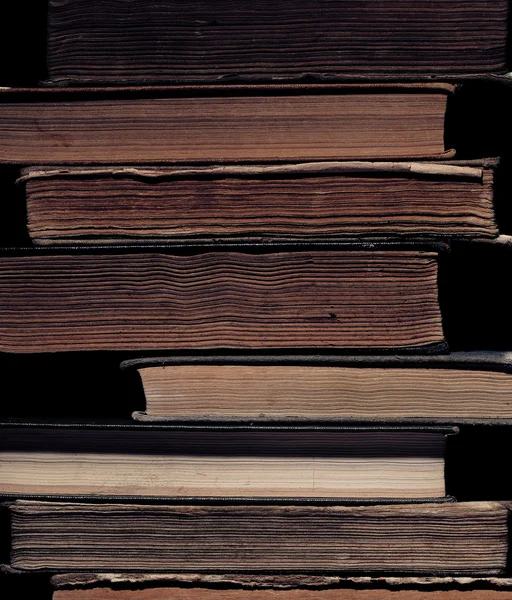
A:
[207,463]
[218,124]
[358,200]
[459,538]
[216,40]
[320,299]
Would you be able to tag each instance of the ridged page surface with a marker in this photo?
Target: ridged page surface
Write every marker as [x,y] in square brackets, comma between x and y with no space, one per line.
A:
[197,391]
[268,463]
[323,299]
[449,538]
[169,40]
[94,207]
[309,126]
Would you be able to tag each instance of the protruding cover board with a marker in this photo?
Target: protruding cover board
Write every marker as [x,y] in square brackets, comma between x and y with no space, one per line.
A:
[97,41]
[485,360]
[466,538]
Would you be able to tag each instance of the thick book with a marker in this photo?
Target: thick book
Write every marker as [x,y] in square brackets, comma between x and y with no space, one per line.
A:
[344,298]
[223,123]
[343,199]
[452,538]
[460,387]
[104,41]
[236,586]
[250,462]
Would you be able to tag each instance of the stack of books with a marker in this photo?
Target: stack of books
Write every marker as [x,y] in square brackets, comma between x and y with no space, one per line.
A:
[254,205]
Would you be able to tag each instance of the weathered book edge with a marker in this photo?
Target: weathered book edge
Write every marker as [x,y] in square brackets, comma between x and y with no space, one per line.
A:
[463,169]
[79,580]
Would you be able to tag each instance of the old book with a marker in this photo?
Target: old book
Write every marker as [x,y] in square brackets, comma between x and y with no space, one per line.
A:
[222,123]
[344,298]
[235,586]
[105,41]
[358,200]
[452,538]
[124,460]
[458,387]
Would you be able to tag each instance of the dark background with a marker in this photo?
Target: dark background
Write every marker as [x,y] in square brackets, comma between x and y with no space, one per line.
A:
[474,292]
